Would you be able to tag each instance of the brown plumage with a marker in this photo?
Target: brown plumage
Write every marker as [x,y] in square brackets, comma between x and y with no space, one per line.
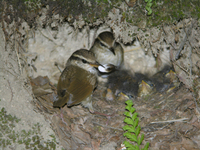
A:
[78,80]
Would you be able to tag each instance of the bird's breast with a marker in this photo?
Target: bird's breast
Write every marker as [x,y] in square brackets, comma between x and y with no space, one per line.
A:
[92,79]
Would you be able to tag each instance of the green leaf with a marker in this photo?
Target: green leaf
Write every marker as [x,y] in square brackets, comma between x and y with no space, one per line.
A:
[128,114]
[126,134]
[128,145]
[131,149]
[132,109]
[132,127]
[131,137]
[137,147]
[129,102]
[135,123]
[128,128]
[146,146]
[150,12]
[134,116]
[149,5]
[128,107]
[128,121]
[140,139]
[137,132]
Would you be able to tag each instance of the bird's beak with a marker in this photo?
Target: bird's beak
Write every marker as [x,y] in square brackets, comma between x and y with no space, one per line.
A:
[146,86]
[96,64]
[112,50]
[143,83]
[107,68]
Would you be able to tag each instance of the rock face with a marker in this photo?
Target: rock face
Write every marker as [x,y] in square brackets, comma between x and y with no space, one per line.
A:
[21,126]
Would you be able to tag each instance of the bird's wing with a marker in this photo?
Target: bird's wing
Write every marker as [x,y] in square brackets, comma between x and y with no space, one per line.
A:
[81,89]
[64,82]
[73,87]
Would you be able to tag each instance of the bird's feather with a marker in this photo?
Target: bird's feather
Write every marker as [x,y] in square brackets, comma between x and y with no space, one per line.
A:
[73,86]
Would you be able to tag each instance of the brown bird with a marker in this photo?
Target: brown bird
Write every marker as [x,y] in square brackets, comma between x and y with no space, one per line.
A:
[78,80]
[107,51]
[145,88]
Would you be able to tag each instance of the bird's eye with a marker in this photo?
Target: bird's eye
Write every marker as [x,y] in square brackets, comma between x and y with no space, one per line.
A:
[131,96]
[84,61]
[102,44]
[151,85]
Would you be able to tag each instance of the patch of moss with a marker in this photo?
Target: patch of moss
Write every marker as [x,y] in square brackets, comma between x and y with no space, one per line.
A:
[31,139]
[166,12]
[163,11]
[157,107]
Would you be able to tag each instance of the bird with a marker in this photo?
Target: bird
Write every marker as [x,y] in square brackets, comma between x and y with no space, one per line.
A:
[146,87]
[165,80]
[107,50]
[78,80]
[122,81]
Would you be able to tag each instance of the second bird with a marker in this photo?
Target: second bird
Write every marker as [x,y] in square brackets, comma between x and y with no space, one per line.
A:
[107,51]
